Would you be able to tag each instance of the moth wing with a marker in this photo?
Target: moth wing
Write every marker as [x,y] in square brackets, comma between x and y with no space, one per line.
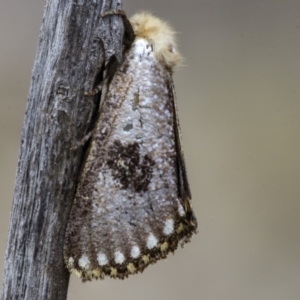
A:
[132,203]
[183,179]
[183,183]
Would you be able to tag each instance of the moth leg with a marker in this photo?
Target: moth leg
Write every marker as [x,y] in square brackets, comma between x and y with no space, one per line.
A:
[82,142]
[129,35]
[113,63]
[113,12]
[97,89]
[110,69]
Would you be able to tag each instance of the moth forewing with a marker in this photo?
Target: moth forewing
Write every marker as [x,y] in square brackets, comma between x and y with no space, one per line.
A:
[132,205]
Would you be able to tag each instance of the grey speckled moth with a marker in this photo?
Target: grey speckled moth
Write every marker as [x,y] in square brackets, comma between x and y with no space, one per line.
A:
[132,205]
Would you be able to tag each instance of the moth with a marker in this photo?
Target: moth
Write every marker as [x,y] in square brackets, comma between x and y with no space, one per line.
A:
[133,202]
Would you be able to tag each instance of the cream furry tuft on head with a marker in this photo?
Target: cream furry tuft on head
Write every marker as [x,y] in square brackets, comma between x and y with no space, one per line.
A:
[160,35]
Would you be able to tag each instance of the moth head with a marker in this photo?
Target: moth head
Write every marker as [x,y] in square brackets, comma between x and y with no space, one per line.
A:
[160,35]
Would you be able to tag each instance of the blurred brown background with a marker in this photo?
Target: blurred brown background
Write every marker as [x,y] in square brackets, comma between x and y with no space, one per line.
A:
[239,102]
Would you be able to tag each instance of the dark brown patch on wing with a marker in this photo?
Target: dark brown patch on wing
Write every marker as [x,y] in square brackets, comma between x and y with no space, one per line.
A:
[133,171]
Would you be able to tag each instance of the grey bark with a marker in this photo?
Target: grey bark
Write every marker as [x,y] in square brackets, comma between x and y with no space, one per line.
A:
[70,53]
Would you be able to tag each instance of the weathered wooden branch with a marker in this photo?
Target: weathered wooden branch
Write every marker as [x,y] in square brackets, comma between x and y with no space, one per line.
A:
[74,43]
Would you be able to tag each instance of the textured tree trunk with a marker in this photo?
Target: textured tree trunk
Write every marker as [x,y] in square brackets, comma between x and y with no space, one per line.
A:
[73,46]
